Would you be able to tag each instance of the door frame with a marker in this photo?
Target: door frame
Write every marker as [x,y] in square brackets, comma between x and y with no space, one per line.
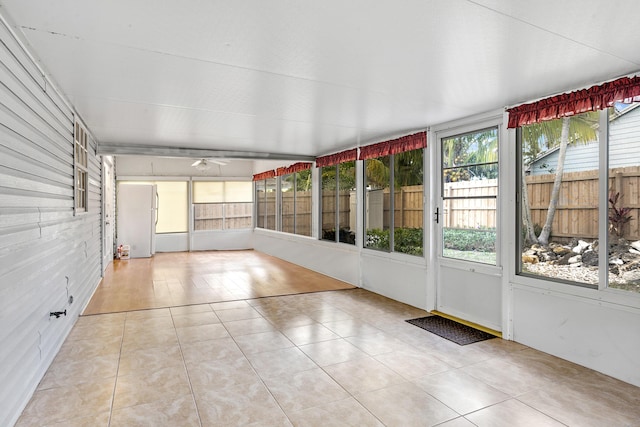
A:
[436,261]
[108,215]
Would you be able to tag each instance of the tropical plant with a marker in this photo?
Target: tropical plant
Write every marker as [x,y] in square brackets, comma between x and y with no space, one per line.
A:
[346,176]
[559,133]
[618,216]
[470,156]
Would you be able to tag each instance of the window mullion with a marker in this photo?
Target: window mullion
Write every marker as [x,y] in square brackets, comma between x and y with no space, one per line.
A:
[603,199]
[392,204]
[336,216]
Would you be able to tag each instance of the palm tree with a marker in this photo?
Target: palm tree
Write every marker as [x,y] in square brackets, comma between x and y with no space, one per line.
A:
[555,133]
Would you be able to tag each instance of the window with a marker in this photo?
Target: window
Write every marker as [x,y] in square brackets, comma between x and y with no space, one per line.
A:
[394,195]
[81,168]
[296,202]
[559,173]
[222,205]
[624,197]
[338,198]
[572,180]
[469,189]
[266,203]
[261,204]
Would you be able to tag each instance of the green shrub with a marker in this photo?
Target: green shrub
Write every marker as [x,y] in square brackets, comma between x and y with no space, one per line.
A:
[377,239]
[406,240]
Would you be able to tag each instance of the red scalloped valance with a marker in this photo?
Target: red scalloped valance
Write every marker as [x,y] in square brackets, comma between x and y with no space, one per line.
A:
[296,167]
[337,158]
[625,89]
[394,146]
[264,175]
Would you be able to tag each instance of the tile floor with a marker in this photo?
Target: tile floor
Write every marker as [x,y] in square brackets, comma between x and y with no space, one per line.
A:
[186,278]
[337,358]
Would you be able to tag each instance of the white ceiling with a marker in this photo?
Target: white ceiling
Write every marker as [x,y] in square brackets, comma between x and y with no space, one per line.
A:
[313,77]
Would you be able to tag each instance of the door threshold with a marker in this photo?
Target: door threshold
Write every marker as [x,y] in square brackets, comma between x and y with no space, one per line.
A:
[467,323]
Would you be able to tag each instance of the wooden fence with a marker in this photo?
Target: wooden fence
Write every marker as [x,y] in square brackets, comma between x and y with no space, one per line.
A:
[576,214]
[577,211]
[218,216]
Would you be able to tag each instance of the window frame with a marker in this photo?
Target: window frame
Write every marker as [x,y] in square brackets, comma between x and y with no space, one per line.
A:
[392,194]
[558,284]
[224,204]
[81,169]
[336,214]
[467,130]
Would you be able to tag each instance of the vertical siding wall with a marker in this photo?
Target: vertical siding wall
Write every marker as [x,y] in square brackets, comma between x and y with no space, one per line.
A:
[46,252]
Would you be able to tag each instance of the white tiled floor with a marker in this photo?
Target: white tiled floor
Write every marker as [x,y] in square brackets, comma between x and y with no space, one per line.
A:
[338,358]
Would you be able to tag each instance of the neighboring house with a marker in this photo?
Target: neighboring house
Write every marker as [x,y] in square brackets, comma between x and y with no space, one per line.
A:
[623,150]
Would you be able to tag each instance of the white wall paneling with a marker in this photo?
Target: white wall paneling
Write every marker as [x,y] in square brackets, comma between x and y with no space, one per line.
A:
[47,253]
[399,277]
[590,332]
[339,261]
[172,242]
[222,240]
[141,166]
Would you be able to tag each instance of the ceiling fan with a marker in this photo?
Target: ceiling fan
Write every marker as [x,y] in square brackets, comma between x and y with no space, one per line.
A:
[204,164]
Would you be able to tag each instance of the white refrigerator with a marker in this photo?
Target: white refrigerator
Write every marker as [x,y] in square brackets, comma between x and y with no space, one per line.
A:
[137,217]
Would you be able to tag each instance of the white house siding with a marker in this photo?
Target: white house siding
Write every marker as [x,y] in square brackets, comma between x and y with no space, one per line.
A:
[47,253]
[624,137]
[624,149]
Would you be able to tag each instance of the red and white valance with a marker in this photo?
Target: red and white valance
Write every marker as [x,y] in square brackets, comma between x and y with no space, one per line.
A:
[337,158]
[296,167]
[264,175]
[394,146]
[625,89]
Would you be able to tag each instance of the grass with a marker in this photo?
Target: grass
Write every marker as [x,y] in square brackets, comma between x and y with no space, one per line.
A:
[483,257]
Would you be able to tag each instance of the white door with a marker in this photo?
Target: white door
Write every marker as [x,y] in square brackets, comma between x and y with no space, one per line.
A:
[467,274]
[108,211]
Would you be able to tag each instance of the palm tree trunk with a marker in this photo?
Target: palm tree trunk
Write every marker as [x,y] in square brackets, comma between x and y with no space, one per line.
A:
[530,236]
[543,239]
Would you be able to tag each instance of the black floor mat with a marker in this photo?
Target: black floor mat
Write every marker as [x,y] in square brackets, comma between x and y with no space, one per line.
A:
[448,329]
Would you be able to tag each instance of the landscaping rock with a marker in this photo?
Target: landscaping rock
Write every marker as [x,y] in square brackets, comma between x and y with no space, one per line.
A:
[561,250]
[590,258]
[631,276]
[580,247]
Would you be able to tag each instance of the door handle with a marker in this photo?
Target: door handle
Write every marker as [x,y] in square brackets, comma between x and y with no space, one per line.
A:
[436,216]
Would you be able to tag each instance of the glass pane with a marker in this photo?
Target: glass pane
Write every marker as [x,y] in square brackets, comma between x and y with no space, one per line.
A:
[238,191]
[470,149]
[408,201]
[377,203]
[237,215]
[173,207]
[559,199]
[624,197]
[208,192]
[303,203]
[469,194]
[347,202]
[287,209]
[208,216]
[469,229]
[329,206]
[261,208]
[271,203]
